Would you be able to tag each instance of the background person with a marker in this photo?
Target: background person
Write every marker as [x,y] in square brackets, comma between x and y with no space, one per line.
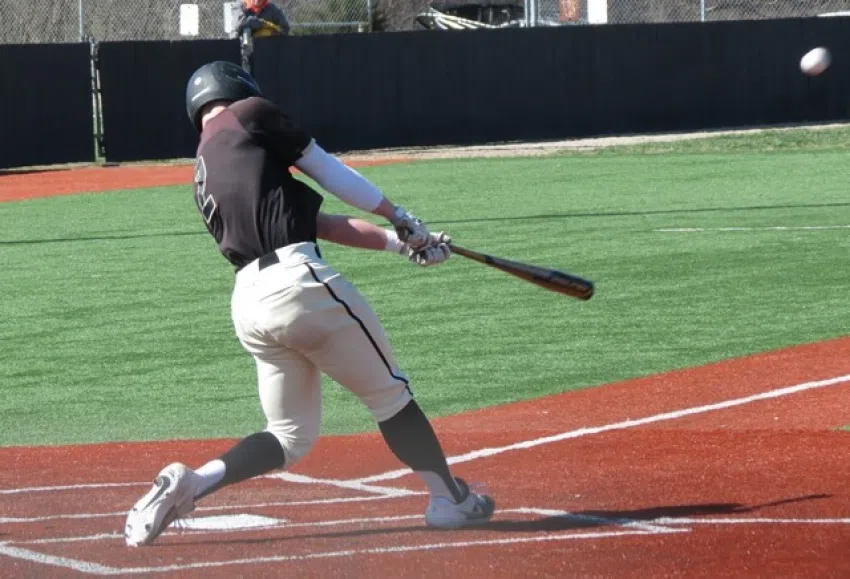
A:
[262,19]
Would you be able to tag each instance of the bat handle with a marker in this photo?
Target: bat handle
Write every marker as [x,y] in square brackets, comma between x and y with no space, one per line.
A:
[461,250]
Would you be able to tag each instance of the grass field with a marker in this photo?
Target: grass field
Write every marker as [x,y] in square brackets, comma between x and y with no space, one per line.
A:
[116,306]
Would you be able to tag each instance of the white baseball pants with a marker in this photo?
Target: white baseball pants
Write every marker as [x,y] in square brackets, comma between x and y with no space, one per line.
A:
[300,318]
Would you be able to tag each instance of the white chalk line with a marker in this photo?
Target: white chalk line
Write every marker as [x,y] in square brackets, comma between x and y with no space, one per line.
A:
[64,562]
[657,525]
[389,550]
[619,522]
[346,484]
[587,431]
[71,539]
[331,501]
[285,476]
[474,456]
[766,228]
[751,521]
[660,525]
[70,516]
[283,525]
[363,483]
[97,569]
[52,489]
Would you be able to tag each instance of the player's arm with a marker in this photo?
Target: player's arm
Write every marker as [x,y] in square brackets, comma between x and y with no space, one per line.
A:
[354,232]
[274,17]
[294,147]
[354,189]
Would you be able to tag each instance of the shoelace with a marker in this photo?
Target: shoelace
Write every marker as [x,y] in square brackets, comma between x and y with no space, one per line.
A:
[180,526]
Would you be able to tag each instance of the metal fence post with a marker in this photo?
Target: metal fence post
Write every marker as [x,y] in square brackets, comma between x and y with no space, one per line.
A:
[80,18]
[702,10]
[369,15]
[531,10]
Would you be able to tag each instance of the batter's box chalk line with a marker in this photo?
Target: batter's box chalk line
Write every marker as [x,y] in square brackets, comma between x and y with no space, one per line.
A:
[251,522]
[205,509]
[365,485]
[376,492]
[18,551]
[625,527]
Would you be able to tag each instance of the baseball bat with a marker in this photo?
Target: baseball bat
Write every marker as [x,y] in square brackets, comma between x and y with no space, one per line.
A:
[550,279]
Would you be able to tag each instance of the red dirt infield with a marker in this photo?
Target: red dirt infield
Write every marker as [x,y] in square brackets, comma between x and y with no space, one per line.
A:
[49,182]
[728,470]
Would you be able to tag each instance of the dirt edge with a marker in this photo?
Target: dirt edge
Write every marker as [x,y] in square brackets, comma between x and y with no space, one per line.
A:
[507,149]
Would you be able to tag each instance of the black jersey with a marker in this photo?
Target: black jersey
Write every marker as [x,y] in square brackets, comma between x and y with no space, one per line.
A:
[244,189]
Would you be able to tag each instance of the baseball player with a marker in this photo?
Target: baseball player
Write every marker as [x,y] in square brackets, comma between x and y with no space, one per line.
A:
[262,18]
[293,311]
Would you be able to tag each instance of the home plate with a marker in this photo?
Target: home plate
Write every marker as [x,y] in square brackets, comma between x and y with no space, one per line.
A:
[229,522]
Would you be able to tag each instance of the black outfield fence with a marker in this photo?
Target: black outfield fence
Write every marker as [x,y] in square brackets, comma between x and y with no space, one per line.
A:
[45,93]
[407,89]
[143,87]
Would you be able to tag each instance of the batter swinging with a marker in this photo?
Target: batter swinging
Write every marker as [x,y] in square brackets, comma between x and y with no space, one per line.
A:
[292,311]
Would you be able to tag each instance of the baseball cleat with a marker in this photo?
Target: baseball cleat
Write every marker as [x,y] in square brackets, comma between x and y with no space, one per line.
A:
[475,509]
[171,497]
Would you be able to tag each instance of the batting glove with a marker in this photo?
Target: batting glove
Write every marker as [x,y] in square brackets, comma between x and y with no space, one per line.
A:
[435,253]
[410,229]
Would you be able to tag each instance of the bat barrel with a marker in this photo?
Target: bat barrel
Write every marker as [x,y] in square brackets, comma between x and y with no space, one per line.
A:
[547,278]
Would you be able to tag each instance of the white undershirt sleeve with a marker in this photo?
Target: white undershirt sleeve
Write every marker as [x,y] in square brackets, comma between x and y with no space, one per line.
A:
[339,179]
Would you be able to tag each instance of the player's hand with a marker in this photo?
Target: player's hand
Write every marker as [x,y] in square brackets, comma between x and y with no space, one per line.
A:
[440,237]
[435,253]
[410,229]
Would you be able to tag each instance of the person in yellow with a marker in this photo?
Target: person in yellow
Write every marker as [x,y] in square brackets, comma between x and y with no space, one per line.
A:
[263,19]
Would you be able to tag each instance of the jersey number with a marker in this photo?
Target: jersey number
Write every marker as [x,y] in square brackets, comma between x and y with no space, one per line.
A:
[206,203]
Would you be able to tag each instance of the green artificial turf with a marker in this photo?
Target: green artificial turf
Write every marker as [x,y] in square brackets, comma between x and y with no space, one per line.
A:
[116,306]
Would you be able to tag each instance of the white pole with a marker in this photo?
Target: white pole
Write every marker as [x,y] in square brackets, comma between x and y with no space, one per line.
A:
[702,10]
[369,15]
[80,18]
[527,11]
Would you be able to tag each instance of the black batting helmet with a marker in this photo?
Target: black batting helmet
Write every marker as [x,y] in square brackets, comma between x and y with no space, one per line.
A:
[217,81]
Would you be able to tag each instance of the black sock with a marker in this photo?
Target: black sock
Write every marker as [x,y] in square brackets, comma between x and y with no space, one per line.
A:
[412,439]
[254,455]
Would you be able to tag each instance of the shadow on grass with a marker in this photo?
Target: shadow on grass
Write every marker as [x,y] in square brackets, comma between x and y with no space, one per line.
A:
[458,221]
[573,521]
[14,172]
[100,238]
[643,213]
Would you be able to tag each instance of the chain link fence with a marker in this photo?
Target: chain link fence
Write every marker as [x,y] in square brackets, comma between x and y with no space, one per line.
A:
[50,21]
[470,14]
[464,14]
[57,21]
[565,12]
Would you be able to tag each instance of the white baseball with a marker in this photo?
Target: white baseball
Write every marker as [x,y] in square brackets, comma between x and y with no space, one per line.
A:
[815,61]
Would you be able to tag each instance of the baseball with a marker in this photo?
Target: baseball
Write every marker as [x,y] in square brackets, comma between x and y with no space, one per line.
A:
[815,61]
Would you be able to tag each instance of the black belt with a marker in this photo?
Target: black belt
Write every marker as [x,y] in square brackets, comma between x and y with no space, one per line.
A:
[272,258]
[267,260]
